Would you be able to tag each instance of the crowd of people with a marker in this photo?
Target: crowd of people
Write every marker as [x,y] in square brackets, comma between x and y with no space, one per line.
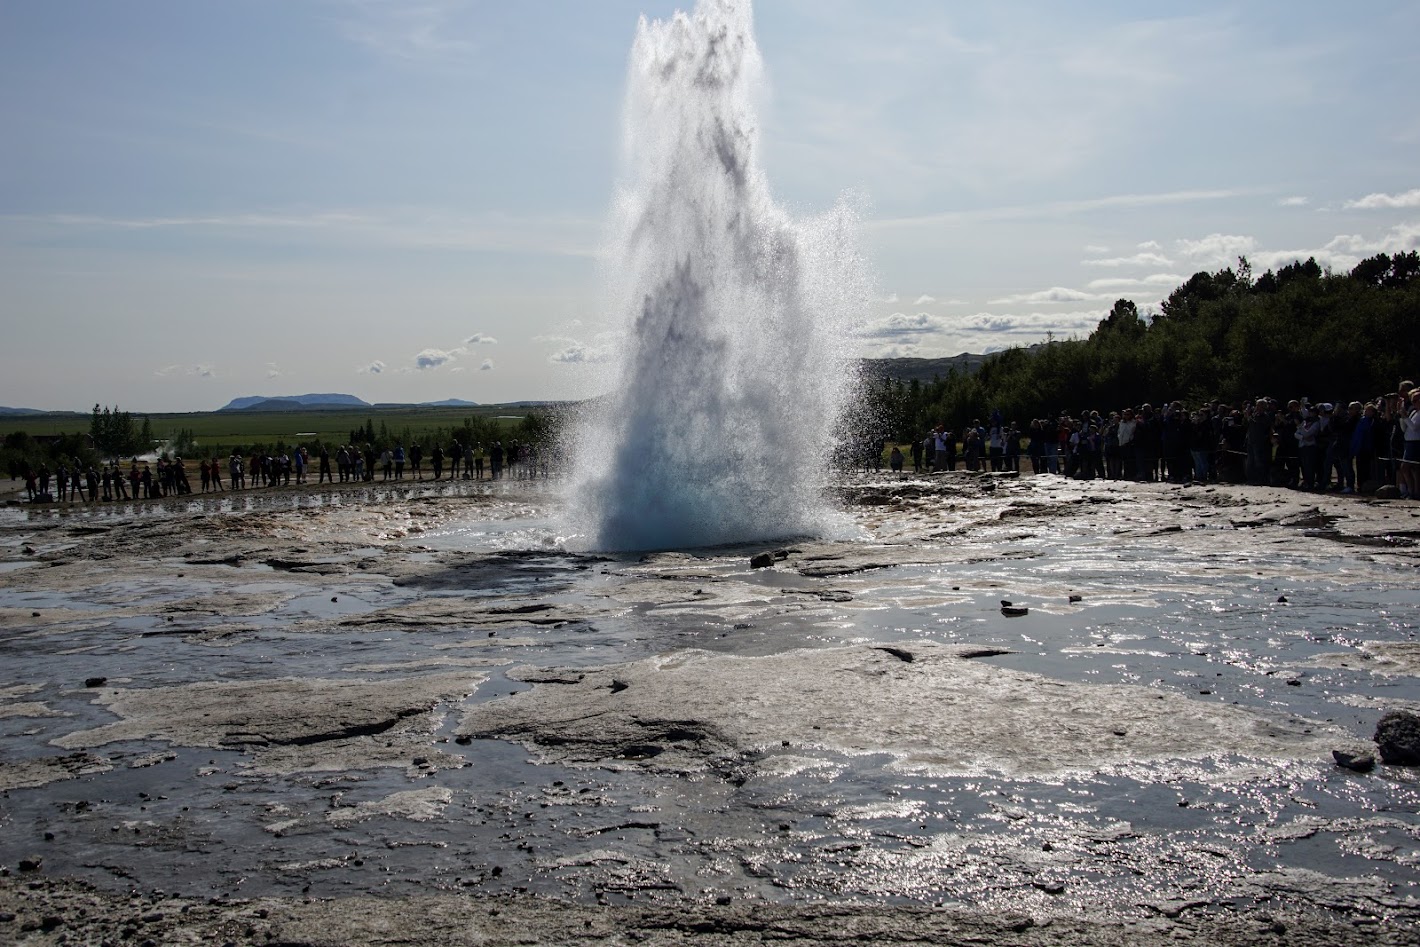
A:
[165,477]
[1342,447]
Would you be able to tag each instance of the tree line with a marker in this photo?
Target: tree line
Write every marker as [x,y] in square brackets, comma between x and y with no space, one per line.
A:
[1226,336]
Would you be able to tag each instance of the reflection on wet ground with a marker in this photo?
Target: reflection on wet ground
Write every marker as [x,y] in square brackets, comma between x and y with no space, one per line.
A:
[1232,598]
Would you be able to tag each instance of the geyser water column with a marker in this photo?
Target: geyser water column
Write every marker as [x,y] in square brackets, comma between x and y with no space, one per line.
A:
[734,318]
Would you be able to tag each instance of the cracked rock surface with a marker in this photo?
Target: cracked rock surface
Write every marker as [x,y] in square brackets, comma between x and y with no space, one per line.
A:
[409,714]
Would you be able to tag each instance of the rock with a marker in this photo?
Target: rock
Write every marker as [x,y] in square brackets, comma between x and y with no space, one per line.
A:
[95,681]
[1014,611]
[1388,491]
[1398,738]
[1359,761]
[762,560]
[1076,598]
[32,863]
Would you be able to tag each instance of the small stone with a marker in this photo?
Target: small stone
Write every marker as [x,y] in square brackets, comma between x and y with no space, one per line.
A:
[95,681]
[1360,762]
[1294,682]
[1014,611]
[761,561]
[1281,600]
[1076,598]
[32,863]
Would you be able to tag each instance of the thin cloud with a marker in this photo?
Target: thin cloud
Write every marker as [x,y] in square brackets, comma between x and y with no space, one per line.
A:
[1056,294]
[376,367]
[1059,208]
[890,299]
[1294,201]
[408,32]
[201,370]
[925,300]
[1386,201]
[1142,282]
[1145,258]
[487,365]
[480,338]
[272,371]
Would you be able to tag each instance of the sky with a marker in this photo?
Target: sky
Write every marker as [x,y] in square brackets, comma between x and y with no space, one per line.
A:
[404,200]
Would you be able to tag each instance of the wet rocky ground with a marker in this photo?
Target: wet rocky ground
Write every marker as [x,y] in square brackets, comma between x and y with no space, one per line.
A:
[412,715]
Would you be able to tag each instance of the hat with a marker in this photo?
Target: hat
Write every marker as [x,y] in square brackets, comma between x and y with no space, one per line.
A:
[1327,408]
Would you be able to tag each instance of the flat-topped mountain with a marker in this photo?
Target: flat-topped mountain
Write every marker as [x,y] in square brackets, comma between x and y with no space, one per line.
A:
[293,402]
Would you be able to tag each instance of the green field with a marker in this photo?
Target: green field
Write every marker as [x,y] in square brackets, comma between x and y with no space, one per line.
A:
[332,425]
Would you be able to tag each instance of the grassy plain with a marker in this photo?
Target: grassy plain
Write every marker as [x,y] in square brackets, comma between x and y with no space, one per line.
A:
[269,427]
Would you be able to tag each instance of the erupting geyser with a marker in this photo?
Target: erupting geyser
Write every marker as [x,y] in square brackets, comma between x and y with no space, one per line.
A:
[735,358]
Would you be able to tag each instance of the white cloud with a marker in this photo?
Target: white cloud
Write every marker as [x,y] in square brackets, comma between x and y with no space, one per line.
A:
[1143,258]
[891,298]
[203,371]
[1094,249]
[1149,245]
[374,368]
[900,327]
[1217,249]
[480,338]
[167,370]
[925,300]
[456,369]
[1390,201]
[575,352]
[272,371]
[487,365]
[433,358]
[1295,201]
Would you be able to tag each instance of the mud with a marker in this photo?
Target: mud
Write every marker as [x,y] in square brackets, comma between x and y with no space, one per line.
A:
[411,715]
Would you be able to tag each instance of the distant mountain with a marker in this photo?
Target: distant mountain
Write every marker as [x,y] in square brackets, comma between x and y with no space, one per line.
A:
[4,410]
[282,402]
[449,403]
[926,369]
